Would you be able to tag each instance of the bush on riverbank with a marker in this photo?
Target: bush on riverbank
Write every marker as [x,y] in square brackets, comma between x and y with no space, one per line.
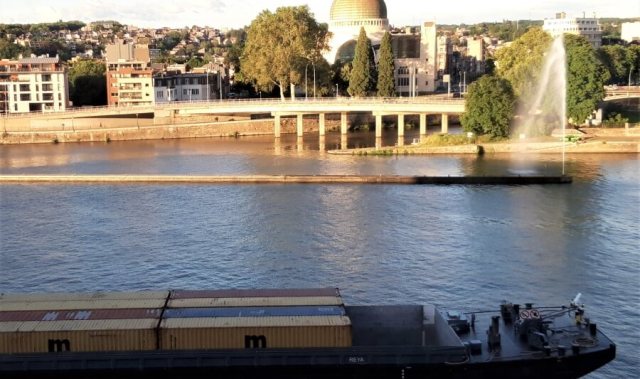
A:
[445,140]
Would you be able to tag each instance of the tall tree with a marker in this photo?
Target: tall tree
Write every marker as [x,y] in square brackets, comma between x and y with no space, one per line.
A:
[386,68]
[614,58]
[88,83]
[490,107]
[585,78]
[521,63]
[360,81]
[280,45]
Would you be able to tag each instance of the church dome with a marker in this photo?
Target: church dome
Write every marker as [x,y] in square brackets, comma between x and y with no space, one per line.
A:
[350,10]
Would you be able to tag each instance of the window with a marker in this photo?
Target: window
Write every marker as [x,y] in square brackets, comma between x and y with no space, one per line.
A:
[403,82]
[25,97]
[24,88]
[46,77]
[184,91]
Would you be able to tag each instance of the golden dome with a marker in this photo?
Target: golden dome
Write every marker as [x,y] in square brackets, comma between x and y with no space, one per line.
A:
[350,10]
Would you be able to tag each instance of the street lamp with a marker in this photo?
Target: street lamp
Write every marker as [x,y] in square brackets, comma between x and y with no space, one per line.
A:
[219,83]
[314,79]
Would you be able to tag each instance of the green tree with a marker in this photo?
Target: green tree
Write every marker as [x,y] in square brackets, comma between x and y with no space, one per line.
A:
[360,81]
[280,45]
[9,50]
[633,58]
[88,83]
[490,107]
[386,68]
[614,58]
[585,78]
[521,63]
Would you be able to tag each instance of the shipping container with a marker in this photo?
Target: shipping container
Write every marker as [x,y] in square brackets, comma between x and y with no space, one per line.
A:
[90,314]
[32,297]
[203,302]
[306,311]
[77,336]
[81,304]
[255,332]
[239,293]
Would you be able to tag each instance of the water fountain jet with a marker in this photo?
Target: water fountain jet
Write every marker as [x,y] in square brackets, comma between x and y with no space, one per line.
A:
[545,106]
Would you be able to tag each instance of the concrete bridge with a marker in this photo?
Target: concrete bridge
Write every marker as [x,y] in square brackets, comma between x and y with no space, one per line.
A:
[165,114]
[621,93]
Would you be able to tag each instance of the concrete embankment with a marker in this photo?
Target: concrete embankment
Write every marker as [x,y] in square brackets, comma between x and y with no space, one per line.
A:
[282,179]
[589,147]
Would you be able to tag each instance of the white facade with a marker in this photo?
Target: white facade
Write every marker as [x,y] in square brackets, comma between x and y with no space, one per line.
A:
[587,27]
[349,16]
[33,85]
[186,87]
[631,31]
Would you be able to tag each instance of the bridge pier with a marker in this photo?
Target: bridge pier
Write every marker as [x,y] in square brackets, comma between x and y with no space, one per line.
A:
[423,124]
[322,125]
[300,124]
[277,126]
[445,123]
[378,126]
[343,123]
[401,125]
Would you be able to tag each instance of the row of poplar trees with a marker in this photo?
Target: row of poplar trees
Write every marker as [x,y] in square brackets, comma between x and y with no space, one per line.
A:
[365,77]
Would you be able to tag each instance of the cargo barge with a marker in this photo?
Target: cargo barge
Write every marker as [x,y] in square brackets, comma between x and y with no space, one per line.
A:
[278,333]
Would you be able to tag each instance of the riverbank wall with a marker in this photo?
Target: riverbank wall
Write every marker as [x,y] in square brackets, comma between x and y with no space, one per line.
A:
[590,147]
[40,131]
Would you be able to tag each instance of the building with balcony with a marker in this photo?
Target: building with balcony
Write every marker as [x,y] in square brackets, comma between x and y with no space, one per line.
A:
[129,75]
[33,85]
[587,27]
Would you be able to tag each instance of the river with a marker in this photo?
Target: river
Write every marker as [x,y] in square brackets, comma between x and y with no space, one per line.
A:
[464,247]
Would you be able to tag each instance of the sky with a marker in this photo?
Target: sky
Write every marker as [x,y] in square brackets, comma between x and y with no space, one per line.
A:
[238,13]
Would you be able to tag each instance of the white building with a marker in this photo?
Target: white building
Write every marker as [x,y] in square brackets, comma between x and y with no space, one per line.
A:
[415,51]
[631,31]
[170,87]
[33,85]
[129,74]
[587,27]
[415,60]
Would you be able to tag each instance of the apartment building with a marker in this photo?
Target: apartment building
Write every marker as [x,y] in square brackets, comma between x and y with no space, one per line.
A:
[129,74]
[587,27]
[175,86]
[33,85]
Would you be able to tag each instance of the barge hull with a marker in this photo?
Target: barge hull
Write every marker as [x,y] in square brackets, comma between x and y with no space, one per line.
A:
[382,363]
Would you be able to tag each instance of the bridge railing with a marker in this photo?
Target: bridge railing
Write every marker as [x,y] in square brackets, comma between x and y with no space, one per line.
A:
[240,103]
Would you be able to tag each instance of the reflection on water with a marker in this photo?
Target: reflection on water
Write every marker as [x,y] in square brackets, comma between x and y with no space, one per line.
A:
[458,246]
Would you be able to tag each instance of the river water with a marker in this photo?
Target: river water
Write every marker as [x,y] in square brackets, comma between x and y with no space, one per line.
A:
[465,247]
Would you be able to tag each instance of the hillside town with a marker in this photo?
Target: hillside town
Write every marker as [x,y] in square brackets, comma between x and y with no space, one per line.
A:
[142,66]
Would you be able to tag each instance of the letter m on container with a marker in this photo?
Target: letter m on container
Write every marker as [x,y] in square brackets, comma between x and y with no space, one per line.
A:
[255,342]
[56,346]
